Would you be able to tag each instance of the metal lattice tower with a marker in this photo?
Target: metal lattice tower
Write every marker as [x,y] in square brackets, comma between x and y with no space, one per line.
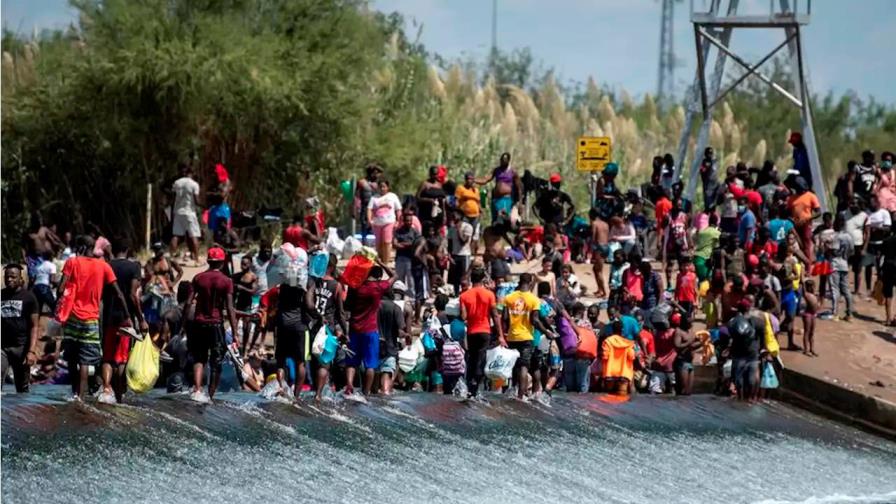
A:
[714,30]
[666,77]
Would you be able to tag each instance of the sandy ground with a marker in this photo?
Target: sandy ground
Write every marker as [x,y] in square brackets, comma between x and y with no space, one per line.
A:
[851,354]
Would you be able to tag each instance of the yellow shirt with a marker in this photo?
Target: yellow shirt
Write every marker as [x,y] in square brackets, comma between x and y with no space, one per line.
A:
[520,305]
[468,200]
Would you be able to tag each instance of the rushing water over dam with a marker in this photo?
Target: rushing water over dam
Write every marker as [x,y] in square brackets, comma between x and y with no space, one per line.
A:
[417,447]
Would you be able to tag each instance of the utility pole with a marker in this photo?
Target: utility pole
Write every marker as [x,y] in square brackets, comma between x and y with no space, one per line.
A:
[666,78]
[714,30]
[493,55]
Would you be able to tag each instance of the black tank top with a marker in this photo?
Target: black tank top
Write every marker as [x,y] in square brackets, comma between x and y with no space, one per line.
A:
[325,299]
[242,299]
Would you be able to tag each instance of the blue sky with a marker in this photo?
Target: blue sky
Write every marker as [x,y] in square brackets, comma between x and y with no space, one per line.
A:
[848,44]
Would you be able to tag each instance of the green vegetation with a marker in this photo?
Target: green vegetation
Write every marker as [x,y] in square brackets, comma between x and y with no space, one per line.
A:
[295,95]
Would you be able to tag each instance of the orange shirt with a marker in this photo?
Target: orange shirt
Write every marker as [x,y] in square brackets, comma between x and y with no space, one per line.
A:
[478,302]
[801,207]
[89,276]
[468,200]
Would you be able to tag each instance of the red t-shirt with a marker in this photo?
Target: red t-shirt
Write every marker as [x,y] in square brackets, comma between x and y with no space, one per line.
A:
[293,234]
[661,210]
[735,190]
[535,235]
[647,338]
[478,302]
[633,281]
[754,200]
[364,303]
[769,248]
[211,288]
[686,287]
[89,275]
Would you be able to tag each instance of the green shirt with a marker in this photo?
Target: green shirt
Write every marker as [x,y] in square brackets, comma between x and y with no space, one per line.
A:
[706,240]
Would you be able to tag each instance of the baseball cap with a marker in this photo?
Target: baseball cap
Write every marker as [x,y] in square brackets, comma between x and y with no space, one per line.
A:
[399,286]
[556,178]
[216,254]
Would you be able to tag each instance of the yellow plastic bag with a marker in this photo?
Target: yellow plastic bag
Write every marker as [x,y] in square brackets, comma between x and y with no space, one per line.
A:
[143,366]
[771,341]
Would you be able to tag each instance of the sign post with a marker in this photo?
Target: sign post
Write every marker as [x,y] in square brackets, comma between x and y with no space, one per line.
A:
[592,155]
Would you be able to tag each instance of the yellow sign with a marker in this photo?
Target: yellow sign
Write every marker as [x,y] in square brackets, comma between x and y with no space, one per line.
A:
[593,153]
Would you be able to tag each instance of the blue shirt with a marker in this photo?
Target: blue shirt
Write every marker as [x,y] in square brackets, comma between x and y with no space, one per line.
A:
[779,229]
[747,228]
[630,328]
[218,212]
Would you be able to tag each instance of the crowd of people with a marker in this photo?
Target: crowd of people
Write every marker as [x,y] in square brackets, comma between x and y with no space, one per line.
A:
[441,305]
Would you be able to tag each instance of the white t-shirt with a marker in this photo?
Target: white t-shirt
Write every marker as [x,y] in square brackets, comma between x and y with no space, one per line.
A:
[45,271]
[879,219]
[384,208]
[855,226]
[185,190]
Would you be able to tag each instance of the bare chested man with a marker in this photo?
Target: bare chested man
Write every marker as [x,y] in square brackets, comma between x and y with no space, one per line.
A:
[161,275]
[600,250]
[37,241]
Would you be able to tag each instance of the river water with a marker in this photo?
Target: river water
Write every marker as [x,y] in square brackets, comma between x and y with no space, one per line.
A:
[419,447]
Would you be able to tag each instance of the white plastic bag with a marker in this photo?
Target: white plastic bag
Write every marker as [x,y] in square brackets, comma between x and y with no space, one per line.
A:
[320,340]
[407,359]
[499,362]
[351,247]
[452,309]
[334,243]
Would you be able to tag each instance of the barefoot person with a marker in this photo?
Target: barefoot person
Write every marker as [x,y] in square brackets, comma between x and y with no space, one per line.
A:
[600,250]
[506,182]
[328,298]
[364,339]
[213,295]
[809,317]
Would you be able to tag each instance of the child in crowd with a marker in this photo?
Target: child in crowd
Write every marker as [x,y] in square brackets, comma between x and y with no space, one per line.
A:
[617,269]
[809,318]
[686,286]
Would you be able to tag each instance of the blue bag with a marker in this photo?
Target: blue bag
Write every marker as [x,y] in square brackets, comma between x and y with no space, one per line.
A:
[330,348]
[429,344]
[319,263]
[769,377]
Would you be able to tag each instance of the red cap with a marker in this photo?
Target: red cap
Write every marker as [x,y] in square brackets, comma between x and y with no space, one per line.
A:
[675,319]
[442,174]
[753,260]
[216,254]
[556,178]
[795,136]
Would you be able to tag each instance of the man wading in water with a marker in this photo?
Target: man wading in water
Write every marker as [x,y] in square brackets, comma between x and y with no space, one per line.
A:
[522,317]
[212,293]
[364,338]
[83,280]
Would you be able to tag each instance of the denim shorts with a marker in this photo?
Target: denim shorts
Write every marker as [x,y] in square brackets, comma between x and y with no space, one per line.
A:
[387,365]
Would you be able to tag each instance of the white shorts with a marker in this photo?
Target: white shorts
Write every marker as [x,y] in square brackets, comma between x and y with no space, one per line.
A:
[186,225]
